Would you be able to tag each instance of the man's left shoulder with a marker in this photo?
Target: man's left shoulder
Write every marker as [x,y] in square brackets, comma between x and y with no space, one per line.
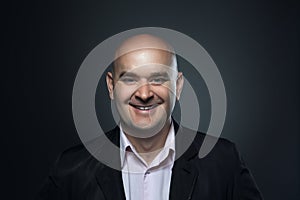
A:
[220,149]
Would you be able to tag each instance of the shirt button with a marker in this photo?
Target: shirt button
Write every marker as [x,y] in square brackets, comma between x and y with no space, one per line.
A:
[146,173]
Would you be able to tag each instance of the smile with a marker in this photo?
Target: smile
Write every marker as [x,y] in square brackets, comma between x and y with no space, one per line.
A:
[140,107]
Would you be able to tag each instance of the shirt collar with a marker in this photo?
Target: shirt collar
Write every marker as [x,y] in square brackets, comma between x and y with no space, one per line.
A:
[125,143]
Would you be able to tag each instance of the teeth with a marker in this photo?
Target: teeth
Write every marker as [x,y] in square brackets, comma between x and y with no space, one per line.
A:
[144,108]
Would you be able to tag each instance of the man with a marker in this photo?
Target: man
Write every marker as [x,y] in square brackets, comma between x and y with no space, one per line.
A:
[144,85]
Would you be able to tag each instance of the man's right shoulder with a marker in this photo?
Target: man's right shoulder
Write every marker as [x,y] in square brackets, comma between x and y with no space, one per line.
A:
[78,157]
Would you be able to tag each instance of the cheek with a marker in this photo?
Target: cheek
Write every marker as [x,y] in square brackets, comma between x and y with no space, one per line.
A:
[167,91]
[170,96]
[122,94]
[167,94]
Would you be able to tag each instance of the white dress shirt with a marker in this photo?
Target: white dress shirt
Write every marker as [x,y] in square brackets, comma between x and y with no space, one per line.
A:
[147,182]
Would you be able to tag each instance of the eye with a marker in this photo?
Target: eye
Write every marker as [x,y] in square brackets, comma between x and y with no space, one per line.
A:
[158,80]
[128,80]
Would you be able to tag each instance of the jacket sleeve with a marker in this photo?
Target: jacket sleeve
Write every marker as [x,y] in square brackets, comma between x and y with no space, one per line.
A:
[245,186]
[49,191]
[51,188]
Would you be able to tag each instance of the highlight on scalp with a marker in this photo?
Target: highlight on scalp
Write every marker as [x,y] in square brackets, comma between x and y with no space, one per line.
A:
[143,42]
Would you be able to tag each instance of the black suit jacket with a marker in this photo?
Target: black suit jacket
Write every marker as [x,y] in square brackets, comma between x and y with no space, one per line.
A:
[221,175]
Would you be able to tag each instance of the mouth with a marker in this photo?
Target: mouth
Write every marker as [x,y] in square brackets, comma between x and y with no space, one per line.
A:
[144,107]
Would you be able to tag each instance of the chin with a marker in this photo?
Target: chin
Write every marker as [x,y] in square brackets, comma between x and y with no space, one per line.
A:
[141,129]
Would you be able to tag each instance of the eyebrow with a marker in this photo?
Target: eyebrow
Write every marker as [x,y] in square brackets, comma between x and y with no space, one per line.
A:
[154,74]
[164,74]
[128,74]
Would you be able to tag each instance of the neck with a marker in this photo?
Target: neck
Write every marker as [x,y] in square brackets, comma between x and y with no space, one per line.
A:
[149,147]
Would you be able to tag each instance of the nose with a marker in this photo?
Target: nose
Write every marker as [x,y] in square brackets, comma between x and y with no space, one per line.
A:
[144,93]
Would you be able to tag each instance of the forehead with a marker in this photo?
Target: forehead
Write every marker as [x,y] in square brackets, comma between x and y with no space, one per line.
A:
[145,58]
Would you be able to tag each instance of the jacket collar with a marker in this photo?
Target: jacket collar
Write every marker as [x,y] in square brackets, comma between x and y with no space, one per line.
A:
[184,174]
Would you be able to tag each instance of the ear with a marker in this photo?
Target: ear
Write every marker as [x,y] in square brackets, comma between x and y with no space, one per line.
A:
[110,84]
[179,85]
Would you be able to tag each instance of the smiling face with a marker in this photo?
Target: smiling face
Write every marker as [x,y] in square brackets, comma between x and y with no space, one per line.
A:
[144,86]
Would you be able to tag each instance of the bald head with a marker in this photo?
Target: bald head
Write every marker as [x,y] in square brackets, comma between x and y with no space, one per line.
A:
[145,47]
[143,41]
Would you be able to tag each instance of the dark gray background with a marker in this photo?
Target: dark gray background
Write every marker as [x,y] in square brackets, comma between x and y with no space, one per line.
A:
[255,44]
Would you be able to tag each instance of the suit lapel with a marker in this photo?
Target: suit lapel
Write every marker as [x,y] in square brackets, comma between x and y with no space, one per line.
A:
[184,177]
[109,179]
[110,182]
[184,173]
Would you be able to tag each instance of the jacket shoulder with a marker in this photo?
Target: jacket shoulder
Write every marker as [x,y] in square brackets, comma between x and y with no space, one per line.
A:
[218,149]
[77,161]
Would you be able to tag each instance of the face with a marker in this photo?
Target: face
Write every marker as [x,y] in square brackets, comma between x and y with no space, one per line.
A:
[144,87]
